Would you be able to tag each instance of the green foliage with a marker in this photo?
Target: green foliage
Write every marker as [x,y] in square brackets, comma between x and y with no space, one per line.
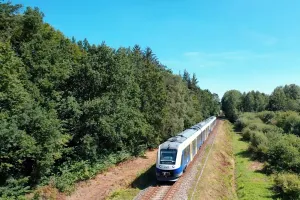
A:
[283,98]
[124,194]
[63,101]
[246,119]
[267,117]
[254,102]
[275,141]
[289,122]
[284,154]
[250,183]
[15,189]
[231,104]
[289,185]
[258,143]
[278,100]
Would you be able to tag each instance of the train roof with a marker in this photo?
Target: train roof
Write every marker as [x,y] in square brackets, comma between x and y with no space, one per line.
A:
[173,142]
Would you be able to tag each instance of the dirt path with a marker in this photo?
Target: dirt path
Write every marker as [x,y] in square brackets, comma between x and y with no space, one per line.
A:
[121,175]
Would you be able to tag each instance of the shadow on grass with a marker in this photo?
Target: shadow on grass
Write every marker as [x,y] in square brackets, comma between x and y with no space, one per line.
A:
[245,154]
[252,157]
[145,179]
[148,178]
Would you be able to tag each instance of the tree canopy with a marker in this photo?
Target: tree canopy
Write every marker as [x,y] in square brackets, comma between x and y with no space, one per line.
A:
[66,104]
[283,98]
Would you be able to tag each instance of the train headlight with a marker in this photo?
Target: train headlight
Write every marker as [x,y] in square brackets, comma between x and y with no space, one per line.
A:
[173,166]
[159,166]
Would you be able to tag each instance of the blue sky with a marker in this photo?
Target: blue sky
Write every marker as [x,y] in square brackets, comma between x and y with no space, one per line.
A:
[229,44]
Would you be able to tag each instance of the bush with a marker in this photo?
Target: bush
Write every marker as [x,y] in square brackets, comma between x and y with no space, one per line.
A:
[289,122]
[14,189]
[289,185]
[284,154]
[265,128]
[259,143]
[72,172]
[246,119]
[246,133]
[267,116]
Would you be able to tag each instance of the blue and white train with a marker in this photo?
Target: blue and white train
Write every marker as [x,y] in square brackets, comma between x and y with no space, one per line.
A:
[177,152]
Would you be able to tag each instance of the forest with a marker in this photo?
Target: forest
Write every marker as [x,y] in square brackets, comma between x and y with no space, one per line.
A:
[69,109]
[271,125]
[283,98]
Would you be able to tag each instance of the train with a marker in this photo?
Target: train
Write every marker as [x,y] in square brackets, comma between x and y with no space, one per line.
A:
[175,154]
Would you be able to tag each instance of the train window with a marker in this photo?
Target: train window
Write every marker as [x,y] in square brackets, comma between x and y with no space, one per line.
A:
[187,151]
[168,156]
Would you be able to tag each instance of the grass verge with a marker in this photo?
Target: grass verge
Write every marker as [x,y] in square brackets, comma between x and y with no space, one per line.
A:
[217,181]
[124,194]
[143,179]
[251,182]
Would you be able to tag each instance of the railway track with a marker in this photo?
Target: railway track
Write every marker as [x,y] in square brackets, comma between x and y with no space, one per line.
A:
[168,191]
[156,192]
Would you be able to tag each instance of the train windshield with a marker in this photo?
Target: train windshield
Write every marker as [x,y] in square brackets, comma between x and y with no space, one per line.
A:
[168,156]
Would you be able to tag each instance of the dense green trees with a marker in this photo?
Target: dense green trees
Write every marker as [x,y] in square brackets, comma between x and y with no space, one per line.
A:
[254,102]
[285,98]
[231,104]
[68,109]
[282,99]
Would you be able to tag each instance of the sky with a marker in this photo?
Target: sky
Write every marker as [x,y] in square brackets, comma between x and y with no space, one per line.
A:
[229,44]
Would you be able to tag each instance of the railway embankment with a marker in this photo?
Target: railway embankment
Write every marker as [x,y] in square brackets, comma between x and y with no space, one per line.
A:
[215,172]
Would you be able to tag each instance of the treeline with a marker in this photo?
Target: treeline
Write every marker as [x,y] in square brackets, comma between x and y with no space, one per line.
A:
[274,138]
[283,98]
[68,109]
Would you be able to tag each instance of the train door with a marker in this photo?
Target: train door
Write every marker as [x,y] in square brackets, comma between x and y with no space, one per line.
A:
[194,147]
[191,150]
[185,157]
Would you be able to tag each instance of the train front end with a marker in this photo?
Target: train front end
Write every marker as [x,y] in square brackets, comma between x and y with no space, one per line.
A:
[168,164]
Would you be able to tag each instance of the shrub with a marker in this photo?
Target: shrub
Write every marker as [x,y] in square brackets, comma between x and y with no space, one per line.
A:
[259,143]
[283,155]
[289,122]
[267,116]
[72,172]
[289,185]
[14,189]
[246,119]
[246,133]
